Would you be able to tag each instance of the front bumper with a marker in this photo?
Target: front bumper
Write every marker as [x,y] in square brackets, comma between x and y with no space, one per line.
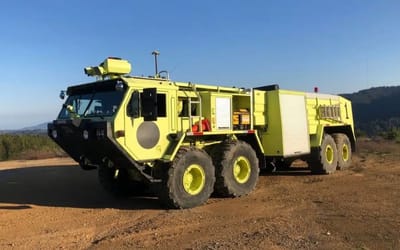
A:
[84,139]
[92,143]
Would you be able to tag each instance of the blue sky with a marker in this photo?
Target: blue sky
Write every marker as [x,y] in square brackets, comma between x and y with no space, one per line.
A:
[341,46]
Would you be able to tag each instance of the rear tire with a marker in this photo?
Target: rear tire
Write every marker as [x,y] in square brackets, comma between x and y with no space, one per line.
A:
[236,169]
[189,181]
[344,151]
[325,159]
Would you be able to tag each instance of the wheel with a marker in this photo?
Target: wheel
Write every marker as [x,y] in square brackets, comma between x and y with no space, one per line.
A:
[325,159]
[118,183]
[236,169]
[343,146]
[189,181]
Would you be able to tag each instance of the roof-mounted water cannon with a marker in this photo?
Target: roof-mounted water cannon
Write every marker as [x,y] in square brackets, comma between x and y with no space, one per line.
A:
[112,67]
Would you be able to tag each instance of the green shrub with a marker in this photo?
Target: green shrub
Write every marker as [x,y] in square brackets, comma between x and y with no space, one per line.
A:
[360,133]
[392,134]
[25,146]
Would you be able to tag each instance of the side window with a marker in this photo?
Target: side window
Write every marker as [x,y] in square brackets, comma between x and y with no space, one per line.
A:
[133,109]
[138,102]
[183,106]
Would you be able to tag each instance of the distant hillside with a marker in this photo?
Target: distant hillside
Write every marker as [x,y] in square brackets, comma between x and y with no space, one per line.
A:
[33,130]
[376,110]
[42,126]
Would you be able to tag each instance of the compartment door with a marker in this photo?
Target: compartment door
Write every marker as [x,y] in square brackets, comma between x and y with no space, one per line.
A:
[223,113]
[295,136]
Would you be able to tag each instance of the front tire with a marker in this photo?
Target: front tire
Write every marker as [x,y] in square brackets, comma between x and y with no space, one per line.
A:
[189,181]
[325,159]
[237,169]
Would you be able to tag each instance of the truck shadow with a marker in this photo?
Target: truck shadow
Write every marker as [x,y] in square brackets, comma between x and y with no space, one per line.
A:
[292,171]
[62,186]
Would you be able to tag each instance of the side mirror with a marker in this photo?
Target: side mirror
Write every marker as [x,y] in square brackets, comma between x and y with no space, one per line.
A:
[149,104]
[62,94]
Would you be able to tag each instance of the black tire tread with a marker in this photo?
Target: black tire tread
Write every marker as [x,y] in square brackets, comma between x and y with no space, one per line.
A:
[220,156]
[167,194]
[339,140]
[317,162]
[220,187]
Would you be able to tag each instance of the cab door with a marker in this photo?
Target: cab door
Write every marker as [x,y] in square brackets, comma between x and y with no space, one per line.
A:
[147,124]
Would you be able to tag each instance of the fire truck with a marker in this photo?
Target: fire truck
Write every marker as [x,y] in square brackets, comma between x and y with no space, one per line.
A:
[190,140]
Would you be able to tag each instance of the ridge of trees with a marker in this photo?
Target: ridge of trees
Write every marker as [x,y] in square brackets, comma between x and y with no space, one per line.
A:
[28,147]
[377,111]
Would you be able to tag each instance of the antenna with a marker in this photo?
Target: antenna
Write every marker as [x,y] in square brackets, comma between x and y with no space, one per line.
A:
[155,53]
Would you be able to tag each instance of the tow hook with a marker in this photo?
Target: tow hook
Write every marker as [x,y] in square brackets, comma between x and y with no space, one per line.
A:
[84,163]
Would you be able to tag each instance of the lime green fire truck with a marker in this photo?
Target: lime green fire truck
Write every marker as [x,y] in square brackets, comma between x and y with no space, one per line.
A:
[190,140]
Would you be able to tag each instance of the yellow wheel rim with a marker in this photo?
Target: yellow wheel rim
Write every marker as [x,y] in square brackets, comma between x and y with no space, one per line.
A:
[329,154]
[241,169]
[345,152]
[194,179]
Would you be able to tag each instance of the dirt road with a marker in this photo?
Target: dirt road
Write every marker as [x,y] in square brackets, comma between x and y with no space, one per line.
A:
[54,204]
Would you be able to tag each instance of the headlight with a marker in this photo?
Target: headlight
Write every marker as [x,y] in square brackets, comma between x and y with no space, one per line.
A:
[85,134]
[54,133]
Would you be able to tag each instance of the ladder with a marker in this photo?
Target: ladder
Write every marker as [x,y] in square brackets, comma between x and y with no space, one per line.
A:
[194,101]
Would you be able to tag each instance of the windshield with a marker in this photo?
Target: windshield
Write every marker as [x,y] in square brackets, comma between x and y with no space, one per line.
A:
[98,104]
